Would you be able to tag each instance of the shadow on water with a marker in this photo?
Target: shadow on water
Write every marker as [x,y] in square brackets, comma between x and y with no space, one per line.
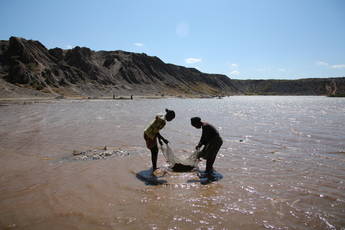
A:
[149,179]
[205,179]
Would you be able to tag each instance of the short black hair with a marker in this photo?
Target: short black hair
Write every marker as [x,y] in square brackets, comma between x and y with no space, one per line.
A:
[170,113]
[195,120]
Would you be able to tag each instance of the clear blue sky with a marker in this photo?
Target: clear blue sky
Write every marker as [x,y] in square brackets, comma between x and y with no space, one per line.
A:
[258,39]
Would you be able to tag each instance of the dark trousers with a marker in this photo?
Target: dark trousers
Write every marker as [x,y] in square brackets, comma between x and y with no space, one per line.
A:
[210,151]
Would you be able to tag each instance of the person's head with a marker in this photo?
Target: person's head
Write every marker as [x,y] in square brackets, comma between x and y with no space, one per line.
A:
[196,122]
[170,114]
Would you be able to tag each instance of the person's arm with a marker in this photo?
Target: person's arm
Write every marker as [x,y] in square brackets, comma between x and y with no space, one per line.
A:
[202,139]
[161,138]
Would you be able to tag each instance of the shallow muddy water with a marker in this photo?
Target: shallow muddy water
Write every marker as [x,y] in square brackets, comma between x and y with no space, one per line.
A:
[282,165]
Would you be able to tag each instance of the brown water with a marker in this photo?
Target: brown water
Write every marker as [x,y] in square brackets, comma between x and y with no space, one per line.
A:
[282,162]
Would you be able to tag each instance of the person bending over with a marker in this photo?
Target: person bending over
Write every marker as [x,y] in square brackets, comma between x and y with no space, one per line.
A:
[151,134]
[211,141]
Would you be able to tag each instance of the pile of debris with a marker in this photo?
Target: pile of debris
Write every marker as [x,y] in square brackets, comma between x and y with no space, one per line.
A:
[97,154]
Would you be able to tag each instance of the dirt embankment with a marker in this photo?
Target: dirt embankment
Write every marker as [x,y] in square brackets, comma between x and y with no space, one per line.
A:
[29,69]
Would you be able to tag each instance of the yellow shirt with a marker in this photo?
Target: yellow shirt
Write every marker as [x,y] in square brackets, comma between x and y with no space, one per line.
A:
[154,127]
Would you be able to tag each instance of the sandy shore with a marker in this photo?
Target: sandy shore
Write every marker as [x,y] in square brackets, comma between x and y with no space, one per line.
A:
[31,100]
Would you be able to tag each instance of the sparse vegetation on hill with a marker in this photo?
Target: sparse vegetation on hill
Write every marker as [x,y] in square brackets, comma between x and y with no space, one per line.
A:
[29,69]
[81,71]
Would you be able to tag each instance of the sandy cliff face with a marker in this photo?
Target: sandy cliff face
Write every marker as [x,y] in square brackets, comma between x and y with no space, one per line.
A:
[81,71]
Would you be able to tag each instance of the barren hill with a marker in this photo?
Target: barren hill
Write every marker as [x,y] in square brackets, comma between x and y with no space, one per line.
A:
[28,67]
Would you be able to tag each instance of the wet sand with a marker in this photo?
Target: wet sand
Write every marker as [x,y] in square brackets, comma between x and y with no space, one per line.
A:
[282,164]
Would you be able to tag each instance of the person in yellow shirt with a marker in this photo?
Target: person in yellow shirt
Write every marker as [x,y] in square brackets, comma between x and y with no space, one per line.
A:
[151,134]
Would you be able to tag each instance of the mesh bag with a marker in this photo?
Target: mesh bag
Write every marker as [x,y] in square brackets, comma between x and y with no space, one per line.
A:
[179,164]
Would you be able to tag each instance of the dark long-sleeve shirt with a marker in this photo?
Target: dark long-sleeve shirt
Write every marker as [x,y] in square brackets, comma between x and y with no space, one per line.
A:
[208,133]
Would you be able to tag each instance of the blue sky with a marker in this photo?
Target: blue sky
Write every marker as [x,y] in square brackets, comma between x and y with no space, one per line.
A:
[258,39]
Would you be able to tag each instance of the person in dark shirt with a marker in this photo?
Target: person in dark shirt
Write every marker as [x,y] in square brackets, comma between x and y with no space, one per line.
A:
[211,141]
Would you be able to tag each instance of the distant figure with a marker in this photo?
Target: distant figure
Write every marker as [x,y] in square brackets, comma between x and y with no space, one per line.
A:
[131,97]
[151,134]
[211,140]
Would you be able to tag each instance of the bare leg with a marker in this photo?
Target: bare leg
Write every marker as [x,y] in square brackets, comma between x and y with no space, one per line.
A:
[154,156]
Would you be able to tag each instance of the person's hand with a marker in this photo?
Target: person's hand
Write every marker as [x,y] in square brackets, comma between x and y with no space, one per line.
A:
[166,141]
[197,147]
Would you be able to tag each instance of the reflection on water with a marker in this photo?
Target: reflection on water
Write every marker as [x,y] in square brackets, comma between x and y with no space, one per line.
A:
[282,164]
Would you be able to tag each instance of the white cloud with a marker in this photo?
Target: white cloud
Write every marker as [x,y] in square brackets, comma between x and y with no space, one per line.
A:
[234,65]
[69,47]
[235,72]
[182,29]
[322,63]
[193,60]
[138,44]
[340,66]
